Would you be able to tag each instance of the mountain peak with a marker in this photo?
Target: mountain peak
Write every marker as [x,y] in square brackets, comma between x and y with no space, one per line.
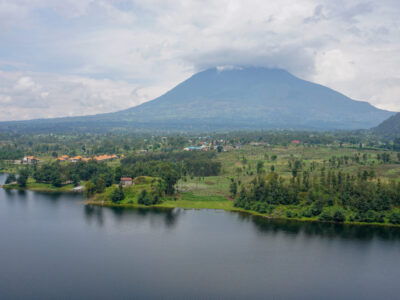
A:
[255,97]
[239,98]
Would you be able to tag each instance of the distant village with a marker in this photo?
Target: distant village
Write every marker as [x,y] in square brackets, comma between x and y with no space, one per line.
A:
[212,145]
[27,160]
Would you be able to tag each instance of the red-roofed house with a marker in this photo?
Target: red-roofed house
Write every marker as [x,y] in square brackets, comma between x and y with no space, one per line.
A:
[126,181]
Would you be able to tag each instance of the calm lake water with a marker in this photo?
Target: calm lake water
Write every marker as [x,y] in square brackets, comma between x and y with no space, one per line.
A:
[52,246]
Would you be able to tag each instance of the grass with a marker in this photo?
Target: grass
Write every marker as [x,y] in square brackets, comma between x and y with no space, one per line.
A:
[40,187]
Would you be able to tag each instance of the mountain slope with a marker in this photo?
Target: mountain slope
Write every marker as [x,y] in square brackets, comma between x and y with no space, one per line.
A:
[248,98]
[389,128]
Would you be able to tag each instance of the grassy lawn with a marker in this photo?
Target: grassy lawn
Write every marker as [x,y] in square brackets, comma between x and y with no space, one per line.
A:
[43,187]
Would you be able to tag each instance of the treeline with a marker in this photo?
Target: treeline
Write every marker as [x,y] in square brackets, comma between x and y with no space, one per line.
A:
[57,174]
[192,163]
[16,145]
[331,196]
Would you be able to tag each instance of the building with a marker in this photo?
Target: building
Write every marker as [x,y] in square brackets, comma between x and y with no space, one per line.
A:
[75,159]
[30,160]
[63,158]
[105,157]
[196,148]
[126,181]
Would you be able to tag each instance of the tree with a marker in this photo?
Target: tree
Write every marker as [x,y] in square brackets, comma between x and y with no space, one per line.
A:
[118,194]
[100,184]
[56,180]
[143,199]
[118,174]
[325,216]
[394,217]
[90,189]
[233,188]
[170,177]
[23,177]
[11,178]
[260,167]
[339,216]
[75,179]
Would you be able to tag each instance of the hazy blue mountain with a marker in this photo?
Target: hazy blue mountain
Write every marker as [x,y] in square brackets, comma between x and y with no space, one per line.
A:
[248,98]
[389,128]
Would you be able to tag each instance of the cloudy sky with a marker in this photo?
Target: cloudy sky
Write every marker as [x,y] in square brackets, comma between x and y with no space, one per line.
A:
[78,57]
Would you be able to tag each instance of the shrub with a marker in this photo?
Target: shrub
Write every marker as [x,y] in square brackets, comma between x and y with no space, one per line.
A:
[394,217]
[117,194]
[325,216]
[291,214]
[306,213]
[90,189]
[11,178]
[339,216]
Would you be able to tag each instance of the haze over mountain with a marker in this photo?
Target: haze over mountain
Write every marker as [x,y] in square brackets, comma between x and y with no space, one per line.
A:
[232,99]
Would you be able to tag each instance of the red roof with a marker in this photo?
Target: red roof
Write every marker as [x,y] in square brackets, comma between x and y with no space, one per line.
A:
[296,142]
[126,179]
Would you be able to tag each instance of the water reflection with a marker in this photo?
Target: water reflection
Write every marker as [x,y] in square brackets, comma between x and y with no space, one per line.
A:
[155,216]
[325,230]
[93,212]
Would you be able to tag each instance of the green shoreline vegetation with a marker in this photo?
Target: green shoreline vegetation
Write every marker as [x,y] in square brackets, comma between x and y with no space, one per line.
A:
[350,178]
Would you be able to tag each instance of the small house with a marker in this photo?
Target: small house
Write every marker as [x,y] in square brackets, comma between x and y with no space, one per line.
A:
[30,160]
[75,159]
[126,181]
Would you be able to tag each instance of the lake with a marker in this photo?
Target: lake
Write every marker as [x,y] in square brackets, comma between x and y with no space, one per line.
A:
[53,246]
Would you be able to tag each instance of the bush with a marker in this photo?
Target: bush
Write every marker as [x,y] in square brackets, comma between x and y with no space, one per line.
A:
[306,213]
[369,217]
[117,194]
[90,189]
[23,177]
[394,217]
[11,178]
[316,208]
[291,214]
[325,216]
[146,198]
[339,216]
[143,198]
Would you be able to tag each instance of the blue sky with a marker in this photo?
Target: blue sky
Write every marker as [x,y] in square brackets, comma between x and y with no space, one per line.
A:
[77,57]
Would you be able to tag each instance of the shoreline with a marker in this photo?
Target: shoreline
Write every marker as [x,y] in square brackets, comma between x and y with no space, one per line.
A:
[187,204]
[38,189]
[170,205]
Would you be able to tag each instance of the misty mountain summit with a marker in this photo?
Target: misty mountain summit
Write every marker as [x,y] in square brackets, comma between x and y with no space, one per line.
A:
[255,98]
[242,98]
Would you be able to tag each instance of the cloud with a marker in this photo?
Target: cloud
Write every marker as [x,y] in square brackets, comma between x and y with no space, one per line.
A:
[42,95]
[101,56]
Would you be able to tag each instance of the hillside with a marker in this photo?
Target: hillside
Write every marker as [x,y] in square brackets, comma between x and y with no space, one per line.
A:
[389,128]
[248,98]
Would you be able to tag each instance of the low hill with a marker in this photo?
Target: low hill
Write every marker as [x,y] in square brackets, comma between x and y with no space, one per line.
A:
[389,128]
[246,98]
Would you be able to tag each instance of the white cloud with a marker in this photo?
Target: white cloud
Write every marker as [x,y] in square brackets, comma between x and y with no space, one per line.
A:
[42,95]
[24,83]
[61,51]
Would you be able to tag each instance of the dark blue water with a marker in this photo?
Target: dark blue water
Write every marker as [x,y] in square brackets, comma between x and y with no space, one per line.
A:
[52,246]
